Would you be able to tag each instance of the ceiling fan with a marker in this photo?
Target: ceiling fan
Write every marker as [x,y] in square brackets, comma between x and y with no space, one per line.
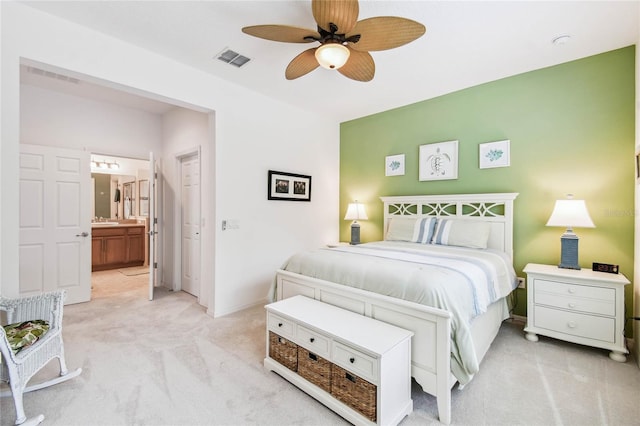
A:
[344,41]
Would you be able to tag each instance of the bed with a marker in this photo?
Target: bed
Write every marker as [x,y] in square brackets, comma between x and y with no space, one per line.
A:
[453,327]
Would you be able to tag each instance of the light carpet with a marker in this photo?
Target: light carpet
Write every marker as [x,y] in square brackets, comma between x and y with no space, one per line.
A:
[167,363]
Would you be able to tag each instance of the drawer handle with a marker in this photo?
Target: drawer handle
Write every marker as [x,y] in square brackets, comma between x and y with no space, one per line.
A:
[572,290]
[572,305]
[352,360]
[279,324]
[571,324]
[312,339]
[313,357]
[350,377]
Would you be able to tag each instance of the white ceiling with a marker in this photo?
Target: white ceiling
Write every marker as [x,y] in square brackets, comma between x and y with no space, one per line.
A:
[466,44]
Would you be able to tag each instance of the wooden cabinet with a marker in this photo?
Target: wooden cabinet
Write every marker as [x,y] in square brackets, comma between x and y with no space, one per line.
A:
[135,245]
[579,306]
[355,365]
[117,247]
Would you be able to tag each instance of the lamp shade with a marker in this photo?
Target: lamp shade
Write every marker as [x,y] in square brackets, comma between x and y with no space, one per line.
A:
[570,213]
[332,55]
[356,211]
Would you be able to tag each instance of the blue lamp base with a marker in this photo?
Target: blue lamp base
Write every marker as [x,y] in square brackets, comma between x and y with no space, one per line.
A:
[355,233]
[569,251]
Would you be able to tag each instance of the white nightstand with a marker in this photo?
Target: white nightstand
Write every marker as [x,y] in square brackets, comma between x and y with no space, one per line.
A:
[579,306]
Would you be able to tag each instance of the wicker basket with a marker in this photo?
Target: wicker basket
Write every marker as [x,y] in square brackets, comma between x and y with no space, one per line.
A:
[314,368]
[354,391]
[283,351]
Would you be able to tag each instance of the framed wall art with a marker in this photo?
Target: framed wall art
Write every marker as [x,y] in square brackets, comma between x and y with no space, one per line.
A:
[394,165]
[439,161]
[494,154]
[288,186]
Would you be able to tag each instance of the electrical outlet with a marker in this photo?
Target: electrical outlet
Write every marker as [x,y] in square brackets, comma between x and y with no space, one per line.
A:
[521,282]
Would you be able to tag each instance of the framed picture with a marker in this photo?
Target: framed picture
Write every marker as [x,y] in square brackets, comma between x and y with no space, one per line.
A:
[494,154]
[439,161]
[288,186]
[394,165]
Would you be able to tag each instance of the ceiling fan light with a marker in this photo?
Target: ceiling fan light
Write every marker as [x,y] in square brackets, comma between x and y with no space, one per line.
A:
[332,55]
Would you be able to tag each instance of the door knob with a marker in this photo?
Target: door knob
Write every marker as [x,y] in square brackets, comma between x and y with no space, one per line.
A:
[83,234]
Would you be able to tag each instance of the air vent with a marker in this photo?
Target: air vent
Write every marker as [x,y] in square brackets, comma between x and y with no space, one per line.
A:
[38,71]
[233,58]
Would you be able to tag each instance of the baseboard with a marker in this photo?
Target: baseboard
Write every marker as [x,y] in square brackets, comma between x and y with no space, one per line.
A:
[518,318]
[235,309]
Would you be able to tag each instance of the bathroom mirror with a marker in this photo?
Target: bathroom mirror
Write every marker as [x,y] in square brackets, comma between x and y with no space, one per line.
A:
[108,195]
[116,186]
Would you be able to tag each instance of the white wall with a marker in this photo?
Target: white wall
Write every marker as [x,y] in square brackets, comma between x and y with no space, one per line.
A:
[55,119]
[252,135]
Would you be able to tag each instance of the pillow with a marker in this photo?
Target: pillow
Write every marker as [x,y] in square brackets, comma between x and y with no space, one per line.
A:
[416,230]
[23,334]
[462,233]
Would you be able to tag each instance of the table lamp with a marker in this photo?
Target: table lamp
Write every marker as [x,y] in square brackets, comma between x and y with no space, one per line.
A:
[570,213]
[355,211]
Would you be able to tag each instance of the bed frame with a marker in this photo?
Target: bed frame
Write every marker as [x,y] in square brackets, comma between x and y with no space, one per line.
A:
[431,345]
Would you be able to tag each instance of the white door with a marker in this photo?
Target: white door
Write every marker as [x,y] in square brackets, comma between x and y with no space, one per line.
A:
[190,206]
[55,222]
[155,256]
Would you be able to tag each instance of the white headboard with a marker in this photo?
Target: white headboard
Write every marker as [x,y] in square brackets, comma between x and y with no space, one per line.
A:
[494,208]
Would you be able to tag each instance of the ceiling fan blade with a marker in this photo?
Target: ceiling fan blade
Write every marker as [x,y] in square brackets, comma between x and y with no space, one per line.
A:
[385,32]
[283,33]
[342,13]
[302,64]
[360,66]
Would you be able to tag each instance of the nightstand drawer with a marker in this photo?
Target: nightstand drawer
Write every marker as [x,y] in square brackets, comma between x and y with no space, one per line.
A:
[575,290]
[281,326]
[314,342]
[355,361]
[581,325]
[579,304]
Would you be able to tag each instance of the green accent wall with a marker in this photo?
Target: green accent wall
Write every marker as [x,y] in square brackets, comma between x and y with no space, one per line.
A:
[572,130]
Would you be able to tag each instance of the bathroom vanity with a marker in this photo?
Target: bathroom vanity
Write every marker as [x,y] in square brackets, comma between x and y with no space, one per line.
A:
[117,245]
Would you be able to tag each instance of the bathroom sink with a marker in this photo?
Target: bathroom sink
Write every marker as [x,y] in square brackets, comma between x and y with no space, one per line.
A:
[105,224]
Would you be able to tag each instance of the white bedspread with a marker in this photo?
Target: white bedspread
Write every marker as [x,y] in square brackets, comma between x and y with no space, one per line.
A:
[460,280]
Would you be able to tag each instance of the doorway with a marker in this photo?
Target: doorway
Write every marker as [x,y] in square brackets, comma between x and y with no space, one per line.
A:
[120,191]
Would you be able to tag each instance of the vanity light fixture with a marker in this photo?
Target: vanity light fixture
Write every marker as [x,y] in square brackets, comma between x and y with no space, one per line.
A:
[105,165]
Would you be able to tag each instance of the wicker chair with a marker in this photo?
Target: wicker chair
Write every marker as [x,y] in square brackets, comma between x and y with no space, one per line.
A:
[18,368]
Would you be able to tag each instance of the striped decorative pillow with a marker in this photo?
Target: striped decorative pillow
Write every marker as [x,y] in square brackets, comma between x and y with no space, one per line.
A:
[423,230]
[411,229]
[462,233]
